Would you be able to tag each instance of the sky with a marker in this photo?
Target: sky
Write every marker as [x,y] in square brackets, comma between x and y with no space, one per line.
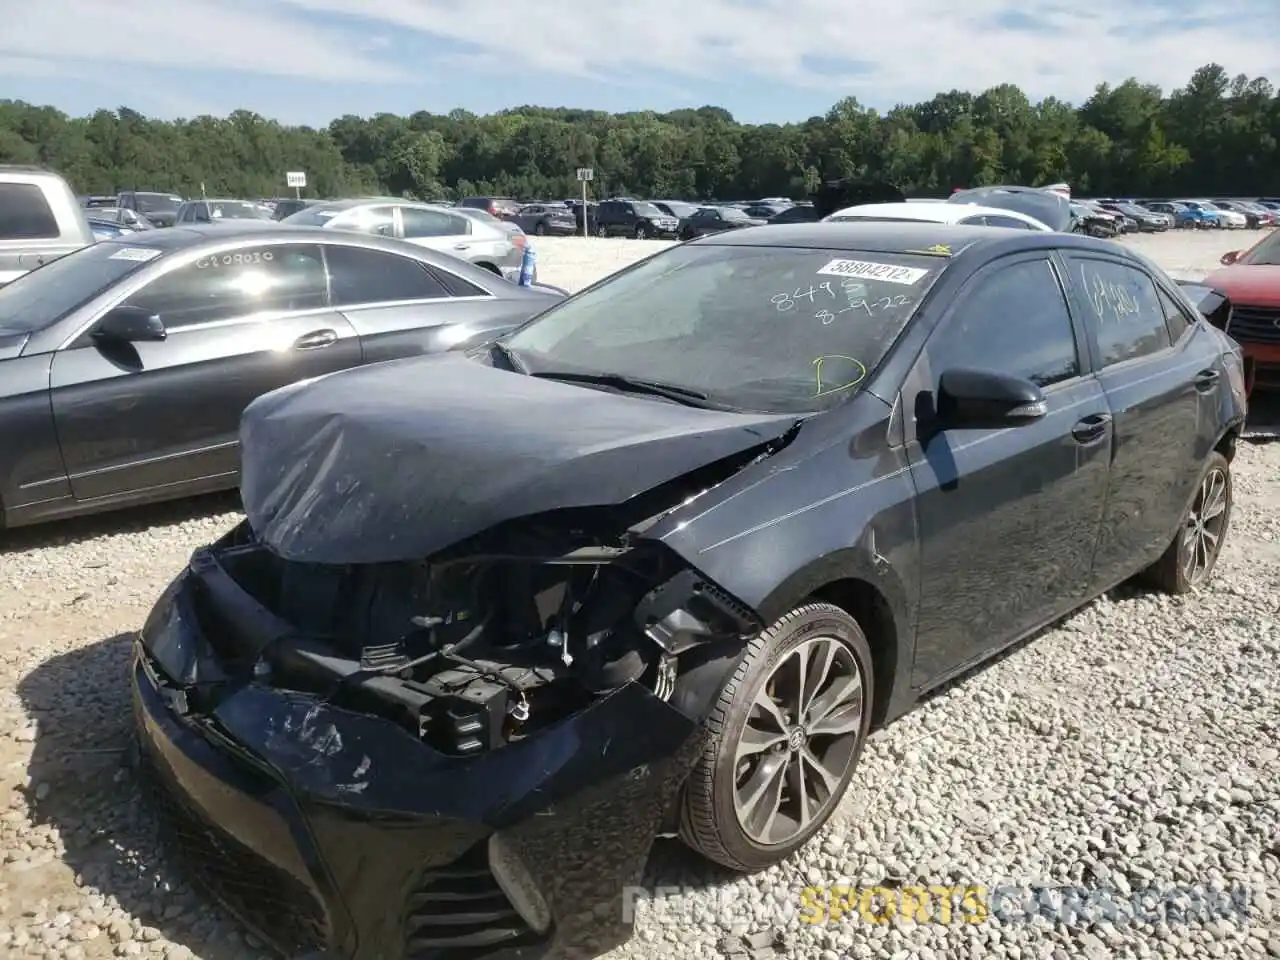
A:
[308,61]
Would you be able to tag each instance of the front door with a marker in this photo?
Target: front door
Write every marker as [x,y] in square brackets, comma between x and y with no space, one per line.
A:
[242,322]
[1155,396]
[1008,517]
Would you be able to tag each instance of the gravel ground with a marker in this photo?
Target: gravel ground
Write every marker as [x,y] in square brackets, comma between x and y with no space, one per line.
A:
[1134,746]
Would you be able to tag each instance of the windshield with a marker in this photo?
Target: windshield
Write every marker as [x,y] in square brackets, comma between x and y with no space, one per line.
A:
[780,330]
[156,203]
[1203,205]
[648,210]
[47,294]
[1266,253]
[733,213]
[682,210]
[238,210]
[1131,210]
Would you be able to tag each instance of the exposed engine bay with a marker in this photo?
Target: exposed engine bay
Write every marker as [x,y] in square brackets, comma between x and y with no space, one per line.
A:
[481,644]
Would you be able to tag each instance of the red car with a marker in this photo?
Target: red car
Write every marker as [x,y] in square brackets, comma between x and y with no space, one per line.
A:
[1251,281]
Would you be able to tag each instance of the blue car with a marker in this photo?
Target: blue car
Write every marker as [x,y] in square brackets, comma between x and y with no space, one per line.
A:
[1185,216]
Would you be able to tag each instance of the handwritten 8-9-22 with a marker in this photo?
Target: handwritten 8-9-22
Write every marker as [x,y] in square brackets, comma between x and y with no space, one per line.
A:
[786,302]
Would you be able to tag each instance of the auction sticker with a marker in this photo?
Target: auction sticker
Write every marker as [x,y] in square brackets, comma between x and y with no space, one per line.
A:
[866,270]
[136,254]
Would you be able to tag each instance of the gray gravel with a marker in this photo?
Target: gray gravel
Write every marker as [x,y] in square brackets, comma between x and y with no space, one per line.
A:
[1133,747]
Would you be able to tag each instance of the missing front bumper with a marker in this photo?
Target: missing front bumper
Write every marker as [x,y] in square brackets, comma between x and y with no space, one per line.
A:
[338,833]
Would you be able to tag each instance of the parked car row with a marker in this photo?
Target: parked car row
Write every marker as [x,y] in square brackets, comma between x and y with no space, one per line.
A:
[1221,214]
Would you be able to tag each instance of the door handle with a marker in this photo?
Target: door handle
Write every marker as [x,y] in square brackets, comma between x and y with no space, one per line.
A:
[317,338]
[1207,379]
[1092,428]
[462,246]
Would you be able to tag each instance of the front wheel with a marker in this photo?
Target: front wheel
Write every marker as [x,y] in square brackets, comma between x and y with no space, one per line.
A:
[786,734]
[601,232]
[540,229]
[1189,561]
[641,232]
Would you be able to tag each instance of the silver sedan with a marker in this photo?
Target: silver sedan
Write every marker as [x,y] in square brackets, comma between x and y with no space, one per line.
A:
[488,245]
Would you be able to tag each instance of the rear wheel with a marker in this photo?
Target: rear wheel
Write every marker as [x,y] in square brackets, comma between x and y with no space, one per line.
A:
[1189,561]
[786,735]
[601,232]
[540,229]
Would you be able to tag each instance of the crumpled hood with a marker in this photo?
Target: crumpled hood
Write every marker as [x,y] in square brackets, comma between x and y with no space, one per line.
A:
[398,460]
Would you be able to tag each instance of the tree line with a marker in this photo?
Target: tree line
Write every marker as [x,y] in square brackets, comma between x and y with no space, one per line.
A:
[1215,136]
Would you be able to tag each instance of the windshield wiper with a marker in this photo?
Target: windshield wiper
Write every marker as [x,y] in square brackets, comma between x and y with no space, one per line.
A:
[685,395]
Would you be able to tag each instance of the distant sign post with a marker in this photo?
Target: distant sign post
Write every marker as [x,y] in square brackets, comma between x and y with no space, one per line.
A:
[585,176]
[296,179]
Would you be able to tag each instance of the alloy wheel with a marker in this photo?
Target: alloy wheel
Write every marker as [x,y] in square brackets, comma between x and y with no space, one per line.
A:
[800,736]
[1202,533]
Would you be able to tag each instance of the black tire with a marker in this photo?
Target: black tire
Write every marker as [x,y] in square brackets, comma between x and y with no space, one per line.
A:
[540,229]
[1173,573]
[601,231]
[709,823]
[641,232]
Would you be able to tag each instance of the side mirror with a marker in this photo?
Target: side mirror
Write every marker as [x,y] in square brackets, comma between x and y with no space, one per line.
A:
[1230,257]
[130,325]
[984,399]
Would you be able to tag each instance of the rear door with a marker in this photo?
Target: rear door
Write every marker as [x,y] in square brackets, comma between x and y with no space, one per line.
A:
[1008,517]
[398,306]
[436,230]
[240,323]
[1156,389]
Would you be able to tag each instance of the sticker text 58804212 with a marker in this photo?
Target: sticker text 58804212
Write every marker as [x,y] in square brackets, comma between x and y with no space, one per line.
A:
[866,270]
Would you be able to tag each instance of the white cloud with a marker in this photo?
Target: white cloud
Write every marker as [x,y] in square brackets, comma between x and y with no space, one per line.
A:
[907,49]
[60,38]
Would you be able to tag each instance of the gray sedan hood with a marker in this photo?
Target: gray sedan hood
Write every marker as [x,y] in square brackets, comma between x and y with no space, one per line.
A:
[399,460]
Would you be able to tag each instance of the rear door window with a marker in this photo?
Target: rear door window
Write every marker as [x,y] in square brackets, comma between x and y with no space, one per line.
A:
[1123,309]
[430,223]
[359,276]
[25,213]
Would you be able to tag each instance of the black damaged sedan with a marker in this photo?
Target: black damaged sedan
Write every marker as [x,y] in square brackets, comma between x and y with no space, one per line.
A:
[657,563]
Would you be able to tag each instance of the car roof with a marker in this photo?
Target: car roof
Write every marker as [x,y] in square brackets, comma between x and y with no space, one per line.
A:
[188,235]
[932,212]
[872,236]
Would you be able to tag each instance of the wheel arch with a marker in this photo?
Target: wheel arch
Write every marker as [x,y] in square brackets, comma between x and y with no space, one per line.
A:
[1229,440]
[871,592]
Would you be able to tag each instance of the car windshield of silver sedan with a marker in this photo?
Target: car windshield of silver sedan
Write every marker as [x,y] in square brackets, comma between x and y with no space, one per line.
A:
[750,328]
[47,294]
